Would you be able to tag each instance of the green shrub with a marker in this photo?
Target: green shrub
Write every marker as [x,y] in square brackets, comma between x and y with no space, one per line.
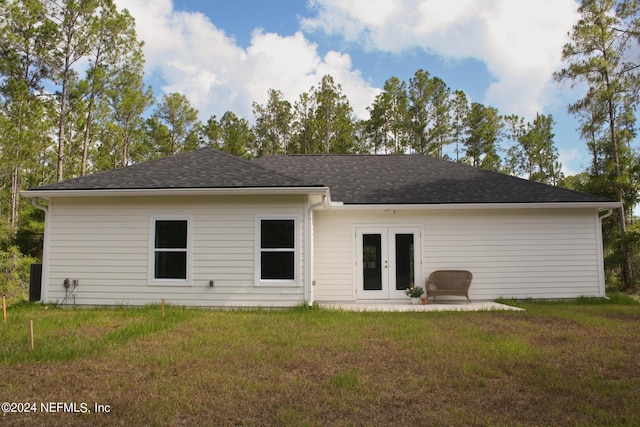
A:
[14,274]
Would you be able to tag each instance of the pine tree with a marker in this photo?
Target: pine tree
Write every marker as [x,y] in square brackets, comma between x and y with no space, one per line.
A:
[236,135]
[533,154]
[388,125]
[429,114]
[180,119]
[26,45]
[598,55]
[484,126]
[273,126]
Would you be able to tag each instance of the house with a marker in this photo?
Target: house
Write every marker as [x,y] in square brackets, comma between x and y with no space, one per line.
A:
[204,228]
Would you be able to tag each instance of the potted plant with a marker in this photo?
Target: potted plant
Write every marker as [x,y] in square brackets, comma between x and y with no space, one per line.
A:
[414,292]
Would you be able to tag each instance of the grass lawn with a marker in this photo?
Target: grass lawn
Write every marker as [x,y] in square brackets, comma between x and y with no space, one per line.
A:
[560,363]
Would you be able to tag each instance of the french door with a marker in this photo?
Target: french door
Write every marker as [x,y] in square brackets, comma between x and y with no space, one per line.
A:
[387,261]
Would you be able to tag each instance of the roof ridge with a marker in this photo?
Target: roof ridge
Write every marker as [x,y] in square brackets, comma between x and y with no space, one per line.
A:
[342,155]
[249,162]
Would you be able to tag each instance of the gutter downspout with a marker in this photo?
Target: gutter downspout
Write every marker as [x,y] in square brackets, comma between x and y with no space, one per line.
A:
[308,256]
[608,213]
[36,203]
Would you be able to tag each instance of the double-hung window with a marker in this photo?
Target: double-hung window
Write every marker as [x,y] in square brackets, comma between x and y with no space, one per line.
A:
[277,249]
[170,254]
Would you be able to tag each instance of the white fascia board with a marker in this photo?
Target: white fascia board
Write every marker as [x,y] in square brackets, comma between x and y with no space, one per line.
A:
[49,194]
[600,206]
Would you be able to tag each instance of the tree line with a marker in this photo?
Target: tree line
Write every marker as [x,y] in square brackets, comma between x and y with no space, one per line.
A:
[424,116]
[73,101]
[603,55]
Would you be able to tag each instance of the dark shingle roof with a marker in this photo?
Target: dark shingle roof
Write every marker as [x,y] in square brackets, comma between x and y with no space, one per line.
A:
[203,168]
[352,179]
[415,179]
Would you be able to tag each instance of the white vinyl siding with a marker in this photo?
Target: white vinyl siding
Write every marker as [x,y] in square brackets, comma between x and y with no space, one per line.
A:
[334,270]
[105,244]
[537,253]
[544,254]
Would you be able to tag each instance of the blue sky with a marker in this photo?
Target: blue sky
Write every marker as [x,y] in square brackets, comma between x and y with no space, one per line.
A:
[223,55]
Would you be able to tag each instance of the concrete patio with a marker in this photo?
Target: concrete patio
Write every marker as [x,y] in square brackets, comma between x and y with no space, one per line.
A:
[407,306]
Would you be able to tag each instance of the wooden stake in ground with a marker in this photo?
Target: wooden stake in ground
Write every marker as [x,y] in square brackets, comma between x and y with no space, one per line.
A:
[162,307]
[4,308]
[31,333]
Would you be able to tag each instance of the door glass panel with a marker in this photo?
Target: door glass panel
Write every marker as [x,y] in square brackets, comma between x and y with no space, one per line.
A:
[404,261]
[372,262]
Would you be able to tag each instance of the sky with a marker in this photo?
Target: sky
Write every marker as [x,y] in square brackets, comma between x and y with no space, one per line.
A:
[224,55]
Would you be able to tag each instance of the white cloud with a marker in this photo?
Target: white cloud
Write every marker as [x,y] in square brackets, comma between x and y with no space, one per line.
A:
[194,57]
[292,64]
[570,160]
[519,41]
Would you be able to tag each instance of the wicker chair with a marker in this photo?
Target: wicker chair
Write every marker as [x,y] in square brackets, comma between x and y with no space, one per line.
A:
[449,282]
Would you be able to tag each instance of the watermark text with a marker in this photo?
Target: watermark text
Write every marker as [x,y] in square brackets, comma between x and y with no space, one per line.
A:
[55,407]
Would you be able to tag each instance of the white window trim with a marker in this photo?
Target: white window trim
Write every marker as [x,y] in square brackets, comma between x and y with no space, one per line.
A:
[259,281]
[152,249]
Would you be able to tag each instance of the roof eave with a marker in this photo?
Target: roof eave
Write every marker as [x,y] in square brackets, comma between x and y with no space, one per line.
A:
[600,206]
[139,192]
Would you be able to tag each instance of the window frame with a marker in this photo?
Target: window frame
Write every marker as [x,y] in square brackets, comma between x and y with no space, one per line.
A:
[295,282]
[152,279]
